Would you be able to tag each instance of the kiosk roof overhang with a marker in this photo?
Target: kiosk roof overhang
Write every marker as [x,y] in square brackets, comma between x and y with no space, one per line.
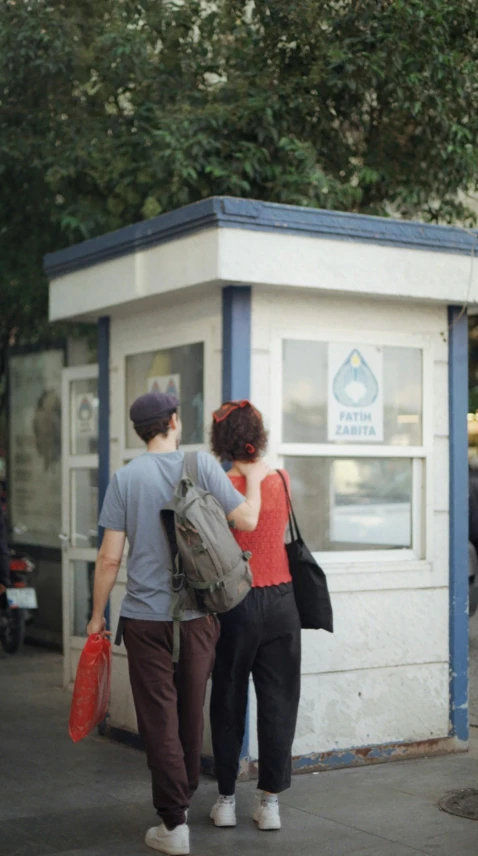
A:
[224,240]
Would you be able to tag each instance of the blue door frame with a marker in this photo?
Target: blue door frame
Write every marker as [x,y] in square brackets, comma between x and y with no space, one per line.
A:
[103,422]
[459,619]
[236,380]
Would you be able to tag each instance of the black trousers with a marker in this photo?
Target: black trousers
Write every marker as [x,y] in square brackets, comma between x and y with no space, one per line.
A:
[260,636]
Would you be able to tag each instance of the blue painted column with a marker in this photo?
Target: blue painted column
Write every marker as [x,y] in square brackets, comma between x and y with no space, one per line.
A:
[458,405]
[236,342]
[103,420]
[236,382]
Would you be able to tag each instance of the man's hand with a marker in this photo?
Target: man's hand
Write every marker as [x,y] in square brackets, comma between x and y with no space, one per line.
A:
[97,626]
[256,471]
[2,588]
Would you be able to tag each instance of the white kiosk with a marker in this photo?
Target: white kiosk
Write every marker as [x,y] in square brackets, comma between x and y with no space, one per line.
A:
[350,334]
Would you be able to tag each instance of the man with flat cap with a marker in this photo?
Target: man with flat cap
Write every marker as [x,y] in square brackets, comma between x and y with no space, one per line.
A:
[168,698]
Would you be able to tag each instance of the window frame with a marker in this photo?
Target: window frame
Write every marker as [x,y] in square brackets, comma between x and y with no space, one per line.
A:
[421,551]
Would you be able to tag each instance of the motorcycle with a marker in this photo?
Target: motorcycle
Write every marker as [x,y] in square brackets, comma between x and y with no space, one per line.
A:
[17,603]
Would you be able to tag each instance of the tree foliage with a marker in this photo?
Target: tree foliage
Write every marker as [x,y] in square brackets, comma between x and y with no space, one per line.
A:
[112,111]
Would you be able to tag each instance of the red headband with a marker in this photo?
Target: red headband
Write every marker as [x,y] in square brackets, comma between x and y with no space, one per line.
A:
[228,407]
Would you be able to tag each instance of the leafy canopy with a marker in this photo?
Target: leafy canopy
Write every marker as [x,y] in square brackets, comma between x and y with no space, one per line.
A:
[112,111]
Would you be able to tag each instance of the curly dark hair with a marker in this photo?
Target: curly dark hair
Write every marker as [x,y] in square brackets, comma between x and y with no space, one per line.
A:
[241,436]
[161,426]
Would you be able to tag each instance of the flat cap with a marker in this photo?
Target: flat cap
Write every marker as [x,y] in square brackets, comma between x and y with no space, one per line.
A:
[147,409]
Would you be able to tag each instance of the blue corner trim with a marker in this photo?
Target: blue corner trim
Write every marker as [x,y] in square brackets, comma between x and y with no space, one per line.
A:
[103,419]
[231,213]
[335,759]
[458,409]
[236,375]
[236,342]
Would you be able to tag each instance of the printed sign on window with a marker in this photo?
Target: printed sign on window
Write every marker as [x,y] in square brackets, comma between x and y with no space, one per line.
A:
[169,384]
[86,415]
[355,393]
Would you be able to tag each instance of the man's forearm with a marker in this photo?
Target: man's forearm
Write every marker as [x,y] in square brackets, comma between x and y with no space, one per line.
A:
[105,578]
[253,500]
[246,516]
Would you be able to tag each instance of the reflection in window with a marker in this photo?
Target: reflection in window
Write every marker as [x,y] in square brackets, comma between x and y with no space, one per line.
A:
[304,408]
[353,504]
[84,507]
[81,601]
[84,417]
[179,371]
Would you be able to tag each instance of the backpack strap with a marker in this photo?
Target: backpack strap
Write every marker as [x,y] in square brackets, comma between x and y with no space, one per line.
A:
[189,473]
[177,615]
[191,467]
[177,579]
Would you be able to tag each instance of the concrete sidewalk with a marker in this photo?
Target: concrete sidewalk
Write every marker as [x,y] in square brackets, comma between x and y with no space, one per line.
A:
[93,799]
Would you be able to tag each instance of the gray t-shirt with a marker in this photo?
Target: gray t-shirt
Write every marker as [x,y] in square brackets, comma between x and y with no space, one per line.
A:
[133,502]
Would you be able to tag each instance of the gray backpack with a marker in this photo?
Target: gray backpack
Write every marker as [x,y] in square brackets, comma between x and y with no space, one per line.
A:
[210,571]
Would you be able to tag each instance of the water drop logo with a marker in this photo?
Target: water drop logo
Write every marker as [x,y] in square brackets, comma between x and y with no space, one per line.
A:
[355,385]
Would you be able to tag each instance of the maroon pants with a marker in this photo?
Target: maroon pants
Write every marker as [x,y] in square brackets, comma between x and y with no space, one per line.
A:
[169,702]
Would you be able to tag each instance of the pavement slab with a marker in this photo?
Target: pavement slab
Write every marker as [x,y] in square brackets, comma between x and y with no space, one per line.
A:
[93,798]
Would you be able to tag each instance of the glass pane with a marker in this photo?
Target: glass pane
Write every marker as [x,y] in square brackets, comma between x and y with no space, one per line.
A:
[354,503]
[402,373]
[178,370]
[84,417]
[81,600]
[304,394]
[84,508]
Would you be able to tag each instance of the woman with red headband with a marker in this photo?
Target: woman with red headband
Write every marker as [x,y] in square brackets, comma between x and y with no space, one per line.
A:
[261,636]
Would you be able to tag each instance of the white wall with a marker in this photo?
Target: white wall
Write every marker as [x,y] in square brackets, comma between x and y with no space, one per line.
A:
[383,676]
[351,267]
[282,260]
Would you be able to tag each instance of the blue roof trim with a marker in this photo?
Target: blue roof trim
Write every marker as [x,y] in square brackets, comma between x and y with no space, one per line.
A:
[228,212]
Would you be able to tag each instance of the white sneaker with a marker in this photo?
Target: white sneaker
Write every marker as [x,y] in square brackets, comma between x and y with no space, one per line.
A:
[266,812]
[257,806]
[174,842]
[223,812]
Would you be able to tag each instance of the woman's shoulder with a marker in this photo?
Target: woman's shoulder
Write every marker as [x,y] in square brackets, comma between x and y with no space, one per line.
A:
[275,481]
[282,474]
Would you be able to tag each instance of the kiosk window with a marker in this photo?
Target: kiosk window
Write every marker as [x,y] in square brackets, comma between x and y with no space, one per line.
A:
[305,388]
[352,441]
[353,503]
[179,371]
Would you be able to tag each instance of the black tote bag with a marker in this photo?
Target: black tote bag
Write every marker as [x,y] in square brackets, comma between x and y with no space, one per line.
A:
[309,581]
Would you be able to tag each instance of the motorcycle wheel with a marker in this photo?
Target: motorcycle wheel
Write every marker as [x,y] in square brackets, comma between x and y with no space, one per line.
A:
[13,632]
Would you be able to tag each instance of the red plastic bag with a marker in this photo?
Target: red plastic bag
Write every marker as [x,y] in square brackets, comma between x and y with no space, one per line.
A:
[91,693]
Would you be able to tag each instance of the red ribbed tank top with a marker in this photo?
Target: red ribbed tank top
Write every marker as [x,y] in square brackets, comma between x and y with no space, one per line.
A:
[269,563]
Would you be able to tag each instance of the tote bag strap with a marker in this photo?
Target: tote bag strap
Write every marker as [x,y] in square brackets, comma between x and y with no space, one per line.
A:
[293,525]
